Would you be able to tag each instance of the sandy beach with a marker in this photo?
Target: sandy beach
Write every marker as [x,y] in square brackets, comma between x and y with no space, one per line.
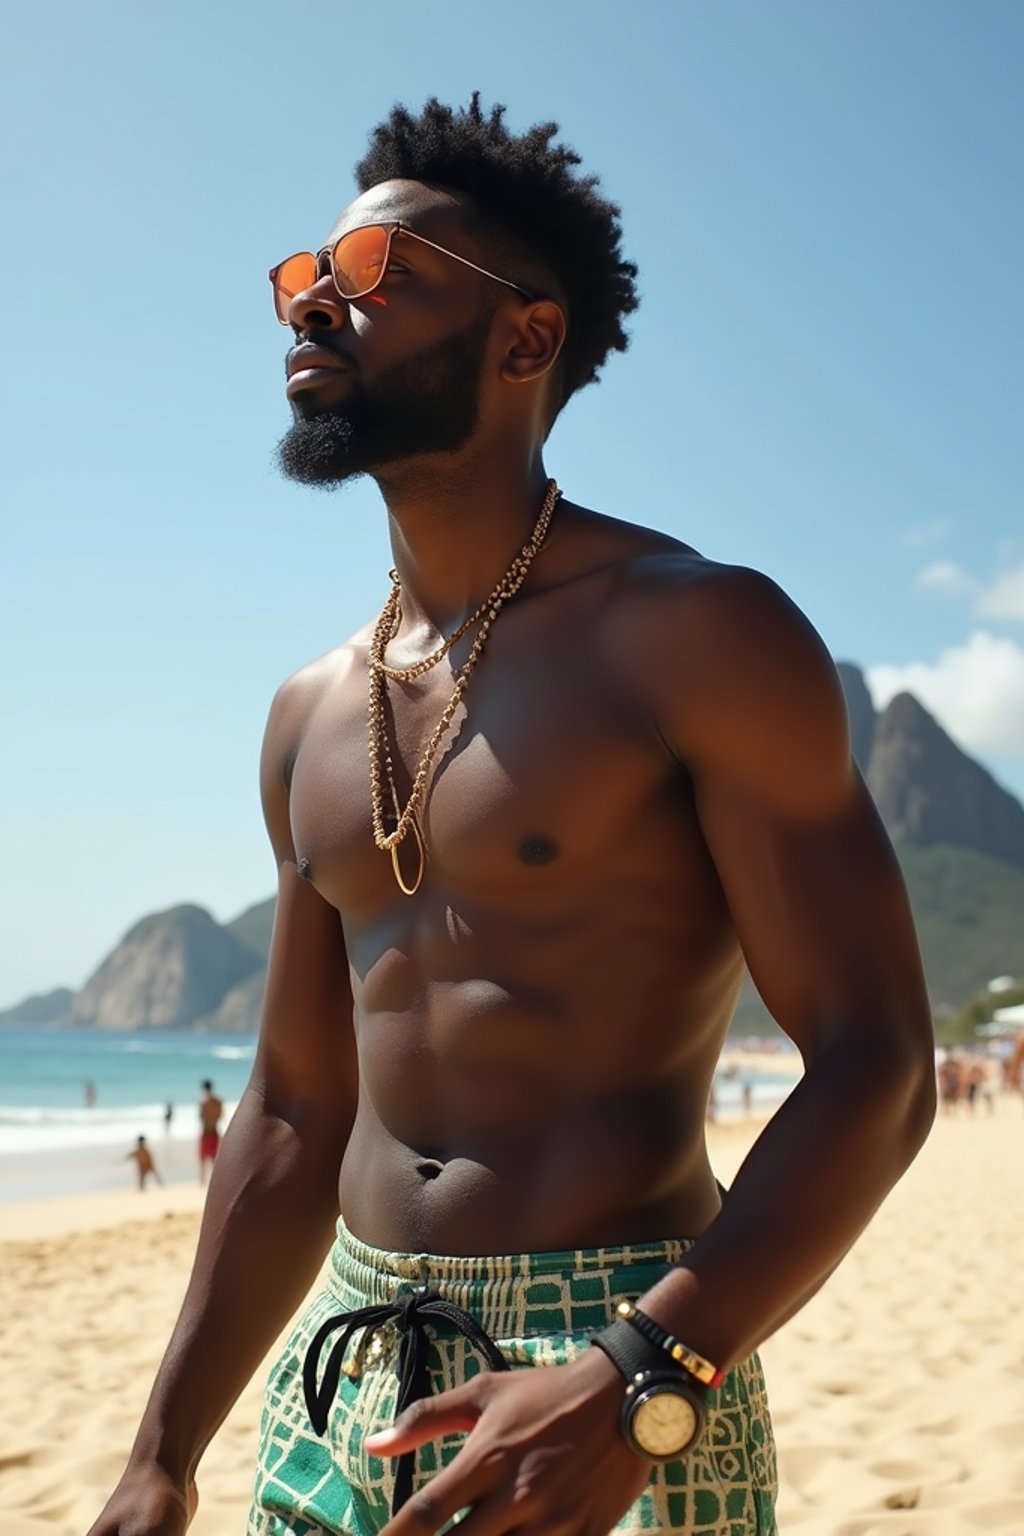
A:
[898,1392]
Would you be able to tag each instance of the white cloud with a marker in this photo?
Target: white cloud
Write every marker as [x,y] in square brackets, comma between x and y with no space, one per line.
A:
[922,535]
[944,576]
[1004,599]
[976,691]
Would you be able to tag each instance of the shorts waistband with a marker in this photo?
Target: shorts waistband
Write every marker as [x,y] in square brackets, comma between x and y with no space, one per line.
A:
[510,1294]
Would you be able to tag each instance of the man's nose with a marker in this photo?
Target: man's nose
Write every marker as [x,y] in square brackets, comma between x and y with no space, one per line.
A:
[319,307]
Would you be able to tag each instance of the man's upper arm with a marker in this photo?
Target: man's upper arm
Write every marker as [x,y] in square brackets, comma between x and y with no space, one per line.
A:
[757,715]
[306,1051]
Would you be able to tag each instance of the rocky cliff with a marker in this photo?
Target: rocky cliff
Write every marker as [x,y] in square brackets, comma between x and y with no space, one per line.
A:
[238,1011]
[42,1008]
[928,791]
[861,711]
[168,971]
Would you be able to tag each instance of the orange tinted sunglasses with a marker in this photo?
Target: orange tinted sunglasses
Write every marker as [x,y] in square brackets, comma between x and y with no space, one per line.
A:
[357,264]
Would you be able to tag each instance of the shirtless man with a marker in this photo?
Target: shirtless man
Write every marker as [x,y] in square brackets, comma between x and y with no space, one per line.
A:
[511,931]
[211,1110]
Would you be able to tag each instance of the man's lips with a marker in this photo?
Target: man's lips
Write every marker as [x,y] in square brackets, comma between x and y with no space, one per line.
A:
[309,366]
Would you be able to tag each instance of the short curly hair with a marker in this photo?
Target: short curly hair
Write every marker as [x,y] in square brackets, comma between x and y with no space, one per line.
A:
[532,208]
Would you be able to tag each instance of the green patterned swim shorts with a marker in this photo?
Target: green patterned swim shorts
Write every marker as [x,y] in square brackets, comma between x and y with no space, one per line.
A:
[539,1309]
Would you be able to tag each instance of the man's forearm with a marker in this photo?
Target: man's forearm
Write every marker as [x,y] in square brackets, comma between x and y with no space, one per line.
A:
[269,1216]
[807,1189]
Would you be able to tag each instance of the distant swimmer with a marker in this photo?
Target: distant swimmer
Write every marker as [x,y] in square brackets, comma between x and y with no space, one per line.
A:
[142,1157]
[89,1094]
[211,1110]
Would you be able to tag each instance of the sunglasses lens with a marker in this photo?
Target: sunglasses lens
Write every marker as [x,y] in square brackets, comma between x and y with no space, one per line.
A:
[291,277]
[359,260]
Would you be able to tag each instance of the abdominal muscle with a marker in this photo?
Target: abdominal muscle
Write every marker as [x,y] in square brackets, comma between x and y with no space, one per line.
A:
[536,1046]
[492,1126]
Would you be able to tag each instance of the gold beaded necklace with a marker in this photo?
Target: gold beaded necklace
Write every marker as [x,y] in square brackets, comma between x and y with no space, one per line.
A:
[381,763]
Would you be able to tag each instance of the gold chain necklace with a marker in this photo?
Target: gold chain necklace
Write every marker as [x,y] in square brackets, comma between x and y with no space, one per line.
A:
[381,763]
[417,669]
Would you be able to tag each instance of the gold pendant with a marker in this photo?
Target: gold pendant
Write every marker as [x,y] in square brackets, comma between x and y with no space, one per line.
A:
[410,890]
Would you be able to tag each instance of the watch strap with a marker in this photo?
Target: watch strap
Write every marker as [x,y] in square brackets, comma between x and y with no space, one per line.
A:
[666,1343]
[630,1351]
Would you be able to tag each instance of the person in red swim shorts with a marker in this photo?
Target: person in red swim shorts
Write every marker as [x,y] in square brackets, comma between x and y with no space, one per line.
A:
[211,1110]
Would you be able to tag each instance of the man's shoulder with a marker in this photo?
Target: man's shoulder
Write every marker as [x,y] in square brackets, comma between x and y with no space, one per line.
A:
[685,617]
[669,594]
[670,570]
[650,564]
[298,699]
[727,666]
[302,692]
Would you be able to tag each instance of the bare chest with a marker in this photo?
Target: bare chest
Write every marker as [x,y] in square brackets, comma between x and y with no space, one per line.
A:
[544,768]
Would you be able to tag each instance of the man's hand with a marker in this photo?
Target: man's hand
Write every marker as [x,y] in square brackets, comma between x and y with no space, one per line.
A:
[544,1455]
[147,1502]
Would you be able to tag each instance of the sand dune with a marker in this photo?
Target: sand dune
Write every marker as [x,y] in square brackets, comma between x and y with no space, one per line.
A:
[898,1392]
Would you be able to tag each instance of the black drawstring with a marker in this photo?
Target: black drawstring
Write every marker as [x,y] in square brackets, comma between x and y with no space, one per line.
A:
[407,1312]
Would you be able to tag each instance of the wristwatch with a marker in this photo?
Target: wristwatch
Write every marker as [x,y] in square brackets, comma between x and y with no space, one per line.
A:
[662,1415]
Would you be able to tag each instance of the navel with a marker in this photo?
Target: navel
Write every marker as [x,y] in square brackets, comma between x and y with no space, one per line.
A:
[538,849]
[305,869]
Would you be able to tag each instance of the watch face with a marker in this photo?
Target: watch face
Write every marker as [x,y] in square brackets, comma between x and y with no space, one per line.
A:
[664,1421]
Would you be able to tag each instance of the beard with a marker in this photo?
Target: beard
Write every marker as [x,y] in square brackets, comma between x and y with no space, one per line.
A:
[427,403]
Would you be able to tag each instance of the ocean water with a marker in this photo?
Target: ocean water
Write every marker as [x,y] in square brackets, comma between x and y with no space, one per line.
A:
[52,1143]
[43,1073]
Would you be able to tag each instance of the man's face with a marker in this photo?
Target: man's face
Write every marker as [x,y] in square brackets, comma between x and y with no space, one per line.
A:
[410,356]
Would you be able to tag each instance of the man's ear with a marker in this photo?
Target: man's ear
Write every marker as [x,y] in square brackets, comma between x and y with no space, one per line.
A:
[539,333]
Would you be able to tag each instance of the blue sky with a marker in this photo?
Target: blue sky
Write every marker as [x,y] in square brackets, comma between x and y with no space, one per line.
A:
[825,378]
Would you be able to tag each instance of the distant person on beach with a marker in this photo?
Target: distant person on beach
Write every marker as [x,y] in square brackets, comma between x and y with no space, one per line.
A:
[531,824]
[168,1117]
[1015,1069]
[142,1157]
[89,1094]
[950,1082]
[211,1109]
[978,1083]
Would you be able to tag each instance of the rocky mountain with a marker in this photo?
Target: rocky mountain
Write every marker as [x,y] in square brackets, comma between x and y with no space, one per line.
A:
[169,971]
[969,912]
[960,840]
[959,836]
[930,793]
[238,1011]
[253,928]
[42,1008]
[862,713]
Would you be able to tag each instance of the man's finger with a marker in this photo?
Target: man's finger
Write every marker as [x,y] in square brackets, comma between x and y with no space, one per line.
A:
[430,1509]
[428,1419]
[499,1514]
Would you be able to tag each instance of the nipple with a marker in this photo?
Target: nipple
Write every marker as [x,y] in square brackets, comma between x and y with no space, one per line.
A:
[538,850]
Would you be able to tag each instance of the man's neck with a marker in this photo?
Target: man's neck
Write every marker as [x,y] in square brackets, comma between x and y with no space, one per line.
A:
[454,533]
